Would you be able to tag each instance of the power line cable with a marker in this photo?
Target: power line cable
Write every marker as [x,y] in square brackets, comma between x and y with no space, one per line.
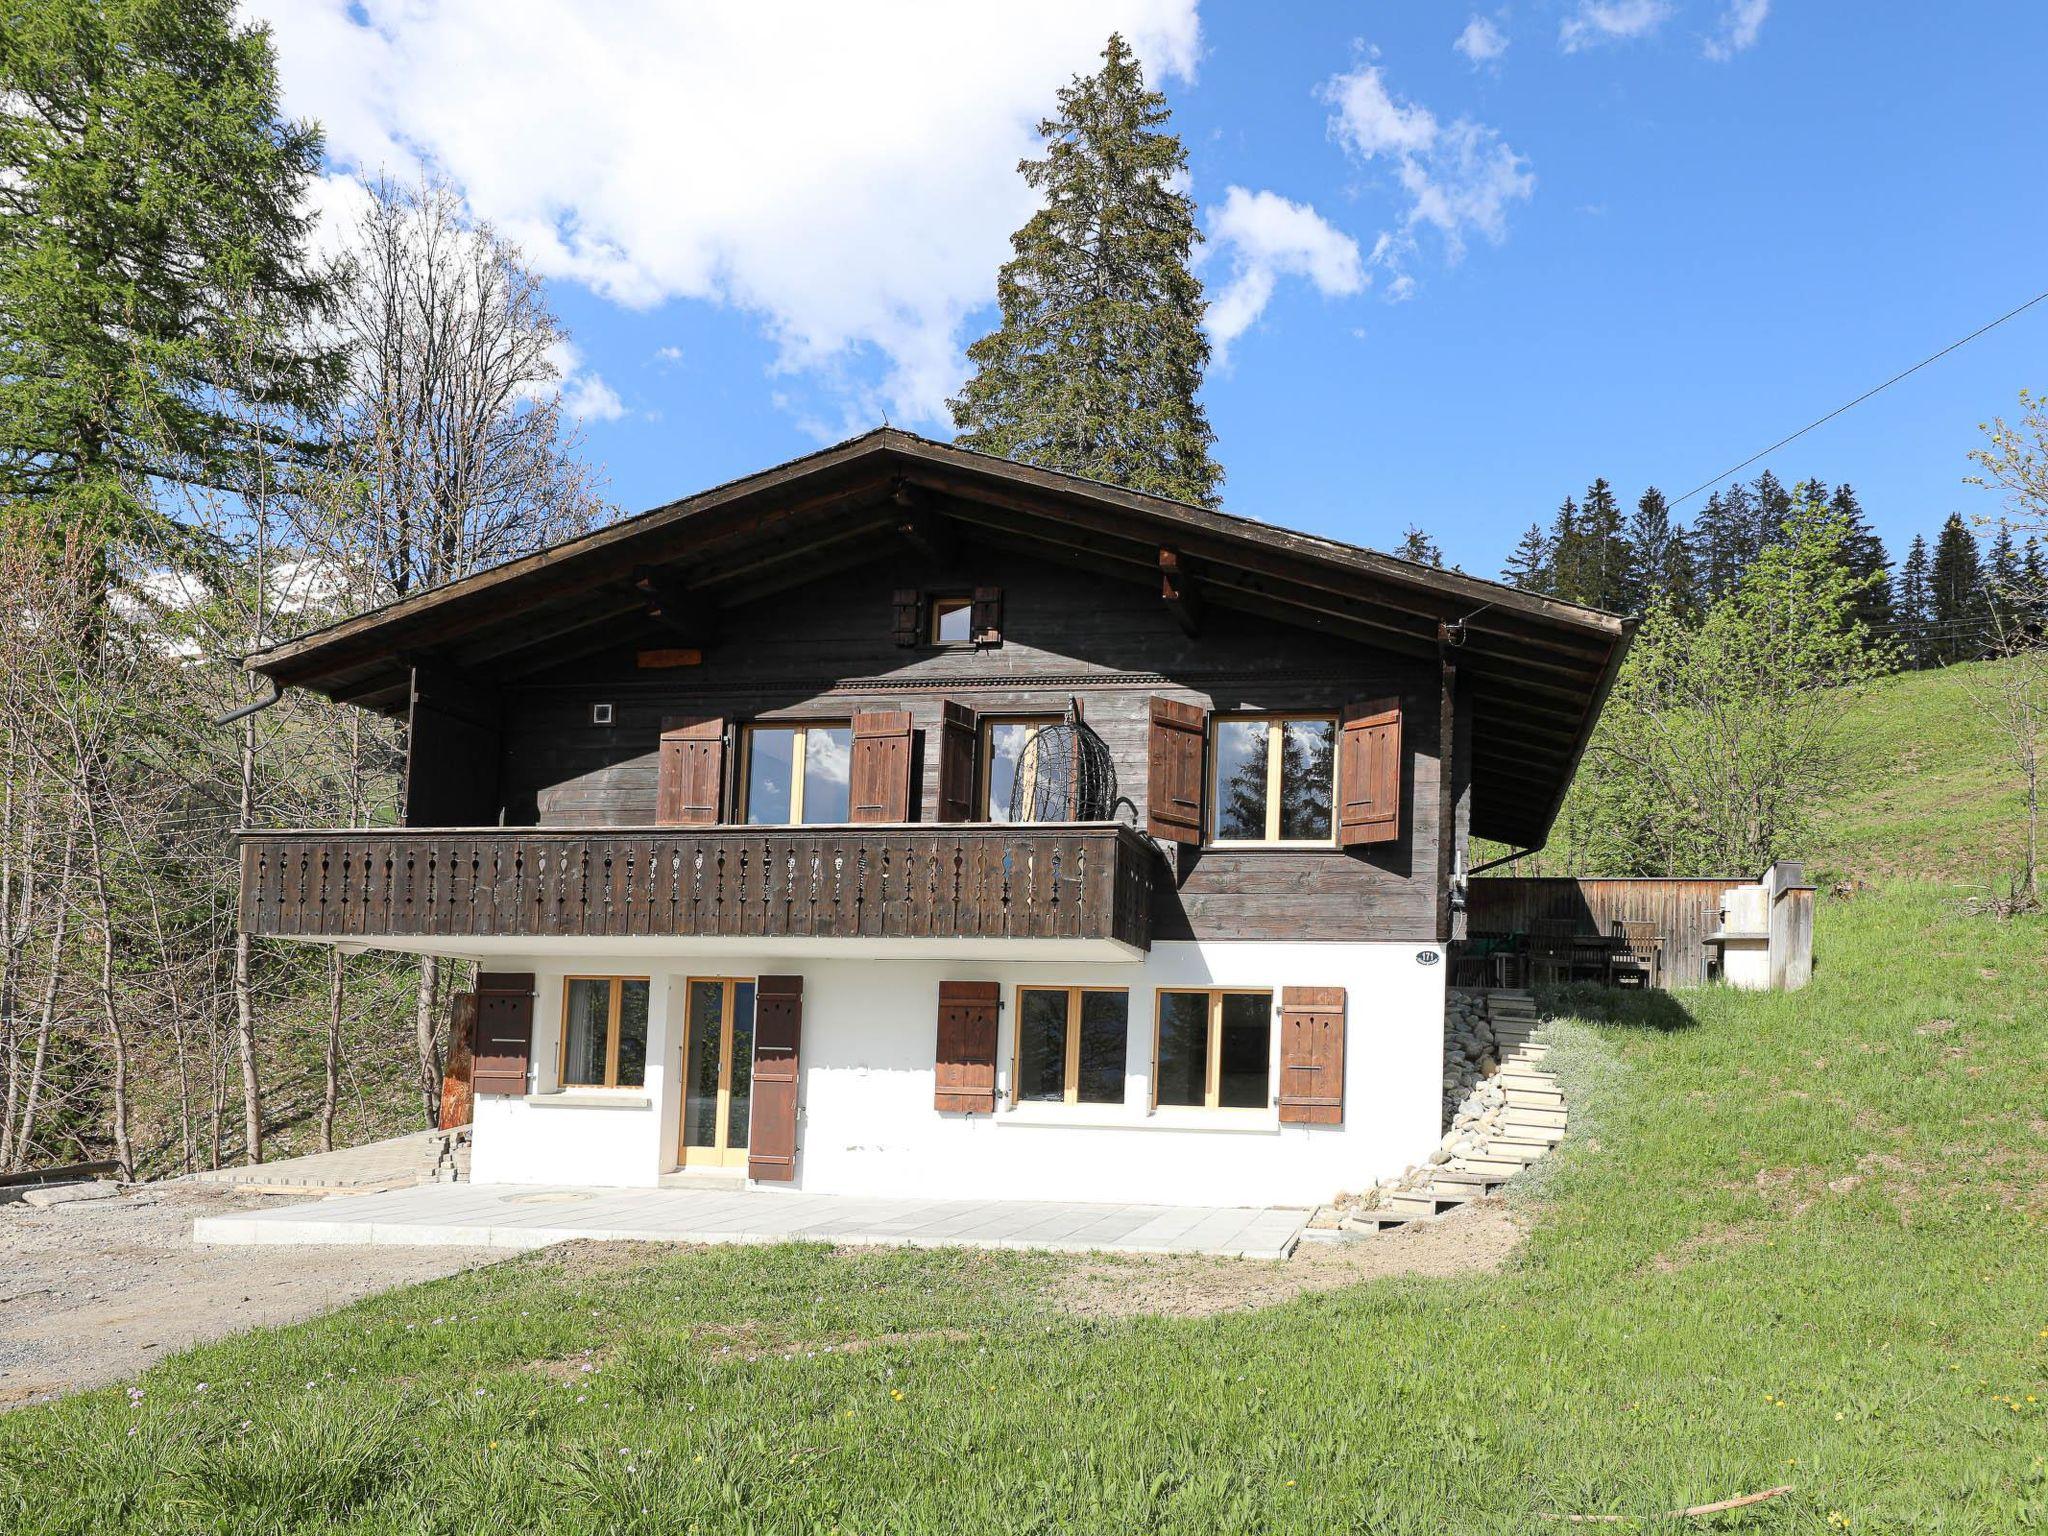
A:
[1879,389]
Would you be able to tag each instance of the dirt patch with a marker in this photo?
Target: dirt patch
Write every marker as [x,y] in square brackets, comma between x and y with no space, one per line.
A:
[1475,1239]
[1704,1245]
[101,1290]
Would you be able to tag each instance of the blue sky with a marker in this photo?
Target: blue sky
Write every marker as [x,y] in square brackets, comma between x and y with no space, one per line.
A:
[1616,237]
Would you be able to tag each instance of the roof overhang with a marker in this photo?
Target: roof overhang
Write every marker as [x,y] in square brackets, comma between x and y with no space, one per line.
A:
[1537,669]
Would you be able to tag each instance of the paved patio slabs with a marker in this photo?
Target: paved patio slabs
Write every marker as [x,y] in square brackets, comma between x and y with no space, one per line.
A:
[525,1216]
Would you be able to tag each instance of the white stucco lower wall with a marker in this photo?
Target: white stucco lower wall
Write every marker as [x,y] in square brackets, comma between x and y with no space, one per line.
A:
[866,1124]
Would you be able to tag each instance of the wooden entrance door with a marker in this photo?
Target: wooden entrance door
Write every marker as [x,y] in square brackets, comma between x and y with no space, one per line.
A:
[718,1072]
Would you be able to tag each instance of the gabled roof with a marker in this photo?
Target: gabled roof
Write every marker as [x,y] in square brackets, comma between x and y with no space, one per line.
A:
[1538,669]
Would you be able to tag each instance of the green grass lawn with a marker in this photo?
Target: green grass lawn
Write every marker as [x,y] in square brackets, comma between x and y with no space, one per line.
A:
[1795,1239]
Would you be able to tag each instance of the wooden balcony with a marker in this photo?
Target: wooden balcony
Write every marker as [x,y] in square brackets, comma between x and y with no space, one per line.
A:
[1069,881]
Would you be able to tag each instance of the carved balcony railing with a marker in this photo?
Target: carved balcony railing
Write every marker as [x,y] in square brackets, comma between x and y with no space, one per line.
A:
[1069,881]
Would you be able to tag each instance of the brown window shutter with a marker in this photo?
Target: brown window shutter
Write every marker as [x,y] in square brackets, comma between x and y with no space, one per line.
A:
[909,616]
[964,1079]
[959,739]
[504,1032]
[881,766]
[1312,1056]
[1174,770]
[692,773]
[778,1036]
[987,617]
[1369,774]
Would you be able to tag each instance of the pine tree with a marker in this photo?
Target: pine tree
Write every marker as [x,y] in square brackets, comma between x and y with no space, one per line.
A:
[1773,505]
[1726,542]
[1603,554]
[1648,551]
[1679,581]
[1913,604]
[1100,354]
[1864,557]
[1529,566]
[1420,547]
[153,273]
[1567,552]
[1956,606]
[2003,577]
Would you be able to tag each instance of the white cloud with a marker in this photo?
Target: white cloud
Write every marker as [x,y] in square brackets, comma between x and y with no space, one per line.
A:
[668,356]
[844,173]
[1741,22]
[1265,237]
[1608,21]
[1482,42]
[1457,179]
[584,394]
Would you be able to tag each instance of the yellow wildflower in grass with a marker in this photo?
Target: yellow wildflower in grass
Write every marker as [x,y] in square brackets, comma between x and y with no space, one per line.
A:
[897,1393]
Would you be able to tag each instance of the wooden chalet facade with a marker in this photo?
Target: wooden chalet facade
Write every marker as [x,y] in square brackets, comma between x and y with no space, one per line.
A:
[759,813]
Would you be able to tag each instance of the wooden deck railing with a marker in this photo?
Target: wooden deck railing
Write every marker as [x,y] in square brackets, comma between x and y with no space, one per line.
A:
[1078,881]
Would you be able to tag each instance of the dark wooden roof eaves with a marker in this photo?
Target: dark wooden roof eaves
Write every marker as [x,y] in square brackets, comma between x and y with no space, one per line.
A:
[1544,666]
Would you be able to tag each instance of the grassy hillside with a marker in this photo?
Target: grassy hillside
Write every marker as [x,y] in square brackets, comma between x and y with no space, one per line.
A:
[1932,791]
[1794,1240]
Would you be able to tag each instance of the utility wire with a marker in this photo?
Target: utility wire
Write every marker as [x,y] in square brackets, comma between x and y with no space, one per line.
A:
[1838,410]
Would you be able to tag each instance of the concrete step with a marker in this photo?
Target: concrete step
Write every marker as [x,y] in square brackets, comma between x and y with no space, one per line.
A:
[1527,1080]
[1547,1099]
[1506,1151]
[705,1178]
[1379,1219]
[1471,1184]
[1422,1204]
[1507,1168]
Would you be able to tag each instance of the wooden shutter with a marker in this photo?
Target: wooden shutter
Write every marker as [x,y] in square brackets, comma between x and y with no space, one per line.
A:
[881,766]
[691,774]
[1312,1056]
[987,616]
[964,1078]
[959,737]
[1174,770]
[458,1091]
[504,1032]
[1369,774]
[909,616]
[778,1034]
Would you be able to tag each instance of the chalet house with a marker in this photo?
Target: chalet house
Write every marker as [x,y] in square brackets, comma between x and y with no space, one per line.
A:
[905,821]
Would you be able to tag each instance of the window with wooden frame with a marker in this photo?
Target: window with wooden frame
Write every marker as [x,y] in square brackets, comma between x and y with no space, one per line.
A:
[604,1032]
[1070,1045]
[1005,753]
[952,620]
[1213,1049]
[1272,779]
[797,774]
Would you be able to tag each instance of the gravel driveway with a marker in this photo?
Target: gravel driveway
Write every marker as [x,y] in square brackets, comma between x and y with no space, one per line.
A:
[99,1290]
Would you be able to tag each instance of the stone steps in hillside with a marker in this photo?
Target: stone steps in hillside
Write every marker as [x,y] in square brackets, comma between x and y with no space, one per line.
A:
[1547,1099]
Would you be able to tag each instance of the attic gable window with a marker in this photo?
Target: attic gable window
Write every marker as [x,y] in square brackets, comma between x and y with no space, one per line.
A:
[952,621]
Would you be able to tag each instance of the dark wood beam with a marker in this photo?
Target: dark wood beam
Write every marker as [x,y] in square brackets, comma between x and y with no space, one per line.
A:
[691,617]
[1178,591]
[920,525]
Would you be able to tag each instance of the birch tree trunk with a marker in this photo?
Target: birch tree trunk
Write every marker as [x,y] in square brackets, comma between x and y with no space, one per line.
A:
[426,1037]
[330,1088]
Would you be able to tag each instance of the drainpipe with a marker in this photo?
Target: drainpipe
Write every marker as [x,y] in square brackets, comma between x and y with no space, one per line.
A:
[276,693]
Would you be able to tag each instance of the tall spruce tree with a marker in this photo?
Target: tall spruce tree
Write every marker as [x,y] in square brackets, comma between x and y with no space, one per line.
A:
[1864,557]
[153,274]
[1100,353]
[1680,583]
[1529,566]
[1648,540]
[1957,613]
[1724,543]
[1567,552]
[1771,508]
[1603,558]
[1913,603]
